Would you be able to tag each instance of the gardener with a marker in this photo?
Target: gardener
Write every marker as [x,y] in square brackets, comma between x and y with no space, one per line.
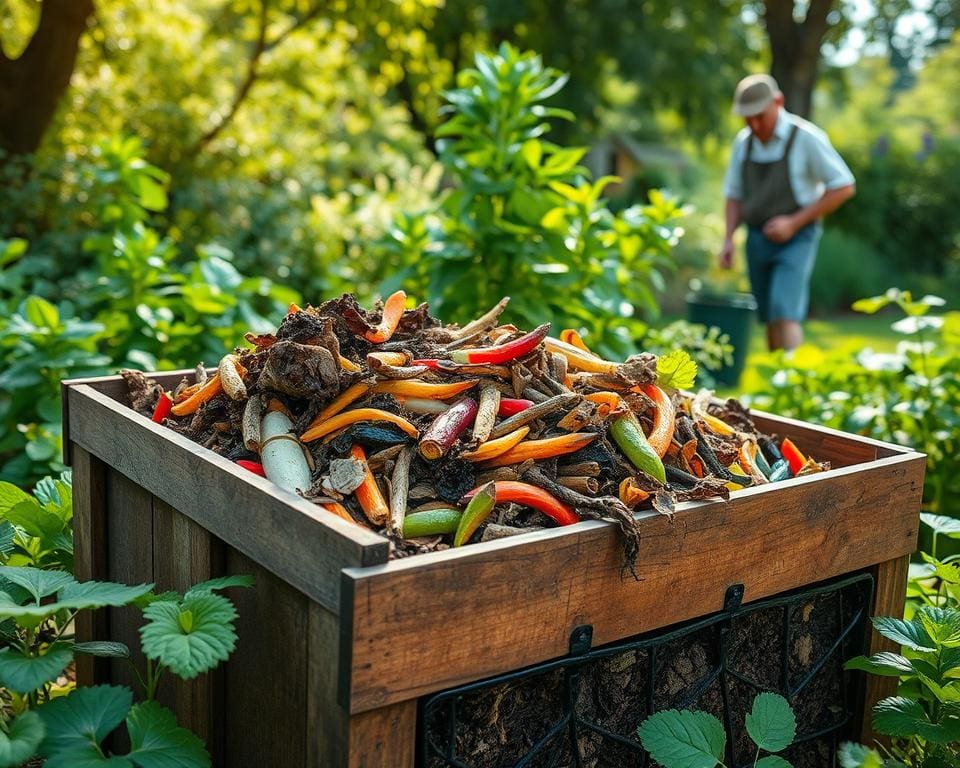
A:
[784,177]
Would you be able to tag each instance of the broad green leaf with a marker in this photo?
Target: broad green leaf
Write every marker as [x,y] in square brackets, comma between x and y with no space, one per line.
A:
[103,648]
[84,716]
[904,632]
[942,525]
[86,756]
[22,740]
[771,724]
[222,582]
[948,693]
[852,755]
[190,637]
[871,305]
[7,535]
[10,496]
[35,520]
[900,716]
[948,572]
[98,594]
[882,663]
[41,313]
[157,741]
[26,674]
[772,761]
[677,370]
[37,582]
[683,739]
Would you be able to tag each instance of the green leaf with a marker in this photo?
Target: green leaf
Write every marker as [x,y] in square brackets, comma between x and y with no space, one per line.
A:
[22,740]
[942,525]
[103,648]
[772,761]
[41,313]
[37,582]
[900,716]
[683,739]
[10,496]
[158,742]
[85,756]
[7,535]
[35,520]
[190,647]
[84,716]
[222,582]
[26,674]
[871,305]
[99,594]
[882,663]
[676,369]
[771,724]
[853,755]
[904,632]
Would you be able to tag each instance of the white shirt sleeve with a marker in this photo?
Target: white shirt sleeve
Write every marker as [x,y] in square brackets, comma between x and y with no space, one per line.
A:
[825,164]
[733,180]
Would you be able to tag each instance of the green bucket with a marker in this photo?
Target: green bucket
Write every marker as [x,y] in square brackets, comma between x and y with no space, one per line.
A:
[733,314]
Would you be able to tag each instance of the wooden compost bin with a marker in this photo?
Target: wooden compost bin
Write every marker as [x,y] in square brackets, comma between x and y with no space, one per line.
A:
[336,644]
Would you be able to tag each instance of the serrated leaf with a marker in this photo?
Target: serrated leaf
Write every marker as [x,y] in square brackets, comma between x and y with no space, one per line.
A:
[37,582]
[683,739]
[771,724]
[882,663]
[853,755]
[222,582]
[10,496]
[158,742]
[86,756]
[35,520]
[677,370]
[26,674]
[7,535]
[900,716]
[83,716]
[22,740]
[189,648]
[100,594]
[772,761]
[904,632]
[103,648]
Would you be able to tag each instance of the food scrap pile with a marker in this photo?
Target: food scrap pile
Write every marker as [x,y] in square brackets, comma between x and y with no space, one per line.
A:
[436,435]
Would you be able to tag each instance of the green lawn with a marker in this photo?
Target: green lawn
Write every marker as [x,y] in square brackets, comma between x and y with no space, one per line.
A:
[845,333]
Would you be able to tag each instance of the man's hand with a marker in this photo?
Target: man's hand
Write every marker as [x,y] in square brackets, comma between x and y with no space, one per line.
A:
[779,229]
[726,254]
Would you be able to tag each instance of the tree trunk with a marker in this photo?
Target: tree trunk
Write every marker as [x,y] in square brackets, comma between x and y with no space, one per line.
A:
[31,86]
[795,46]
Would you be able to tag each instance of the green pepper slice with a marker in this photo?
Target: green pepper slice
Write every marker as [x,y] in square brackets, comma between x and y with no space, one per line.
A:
[628,435]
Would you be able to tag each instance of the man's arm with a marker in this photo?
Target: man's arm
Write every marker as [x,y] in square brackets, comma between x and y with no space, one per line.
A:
[779,229]
[732,215]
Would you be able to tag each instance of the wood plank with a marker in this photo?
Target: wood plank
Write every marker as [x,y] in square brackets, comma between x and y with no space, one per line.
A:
[185,554]
[288,535]
[327,721]
[889,598]
[502,605]
[385,737]
[130,561]
[90,556]
[265,692]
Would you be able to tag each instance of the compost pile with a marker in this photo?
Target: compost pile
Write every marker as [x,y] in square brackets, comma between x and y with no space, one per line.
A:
[436,435]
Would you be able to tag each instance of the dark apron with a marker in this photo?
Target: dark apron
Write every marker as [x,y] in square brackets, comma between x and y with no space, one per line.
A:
[767,191]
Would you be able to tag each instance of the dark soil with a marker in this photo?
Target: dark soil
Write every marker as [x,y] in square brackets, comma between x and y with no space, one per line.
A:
[782,648]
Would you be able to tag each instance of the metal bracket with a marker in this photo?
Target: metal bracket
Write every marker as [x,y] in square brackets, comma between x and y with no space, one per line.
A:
[581,639]
[733,598]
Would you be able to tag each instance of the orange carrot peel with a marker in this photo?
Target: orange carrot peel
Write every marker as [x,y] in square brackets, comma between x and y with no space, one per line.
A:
[544,449]
[573,338]
[493,448]
[341,401]
[352,417]
[532,496]
[368,494]
[424,389]
[661,435]
[577,358]
[632,494]
[389,320]
[211,389]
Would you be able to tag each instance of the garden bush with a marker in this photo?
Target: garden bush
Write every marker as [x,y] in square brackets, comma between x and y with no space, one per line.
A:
[847,268]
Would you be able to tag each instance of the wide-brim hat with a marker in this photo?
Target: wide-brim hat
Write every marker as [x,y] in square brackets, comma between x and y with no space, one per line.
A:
[753,94]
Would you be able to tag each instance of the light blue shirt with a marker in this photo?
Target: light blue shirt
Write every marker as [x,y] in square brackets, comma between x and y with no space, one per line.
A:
[814,165]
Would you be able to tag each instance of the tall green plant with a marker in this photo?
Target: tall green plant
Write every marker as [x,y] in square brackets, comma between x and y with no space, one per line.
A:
[524,219]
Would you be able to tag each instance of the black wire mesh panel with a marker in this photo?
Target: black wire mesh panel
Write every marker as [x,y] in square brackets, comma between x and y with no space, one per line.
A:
[582,711]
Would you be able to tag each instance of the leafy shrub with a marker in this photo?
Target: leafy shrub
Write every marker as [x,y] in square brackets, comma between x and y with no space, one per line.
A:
[523,218]
[911,397]
[846,269]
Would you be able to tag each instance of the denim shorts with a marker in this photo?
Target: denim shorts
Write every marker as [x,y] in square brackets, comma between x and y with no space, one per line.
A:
[780,272]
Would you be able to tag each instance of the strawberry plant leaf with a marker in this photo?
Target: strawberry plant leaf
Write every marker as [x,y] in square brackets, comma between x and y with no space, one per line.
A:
[25,674]
[683,739]
[223,582]
[103,648]
[899,716]
[882,663]
[86,756]
[772,761]
[942,525]
[191,636]
[37,582]
[853,755]
[21,740]
[99,594]
[83,718]
[10,496]
[771,724]
[676,369]
[904,632]
[158,742]
[7,535]
[35,520]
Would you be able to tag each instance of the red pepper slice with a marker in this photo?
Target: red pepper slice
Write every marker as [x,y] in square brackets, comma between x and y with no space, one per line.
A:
[511,406]
[793,456]
[162,409]
[503,353]
[435,363]
[252,466]
[532,496]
